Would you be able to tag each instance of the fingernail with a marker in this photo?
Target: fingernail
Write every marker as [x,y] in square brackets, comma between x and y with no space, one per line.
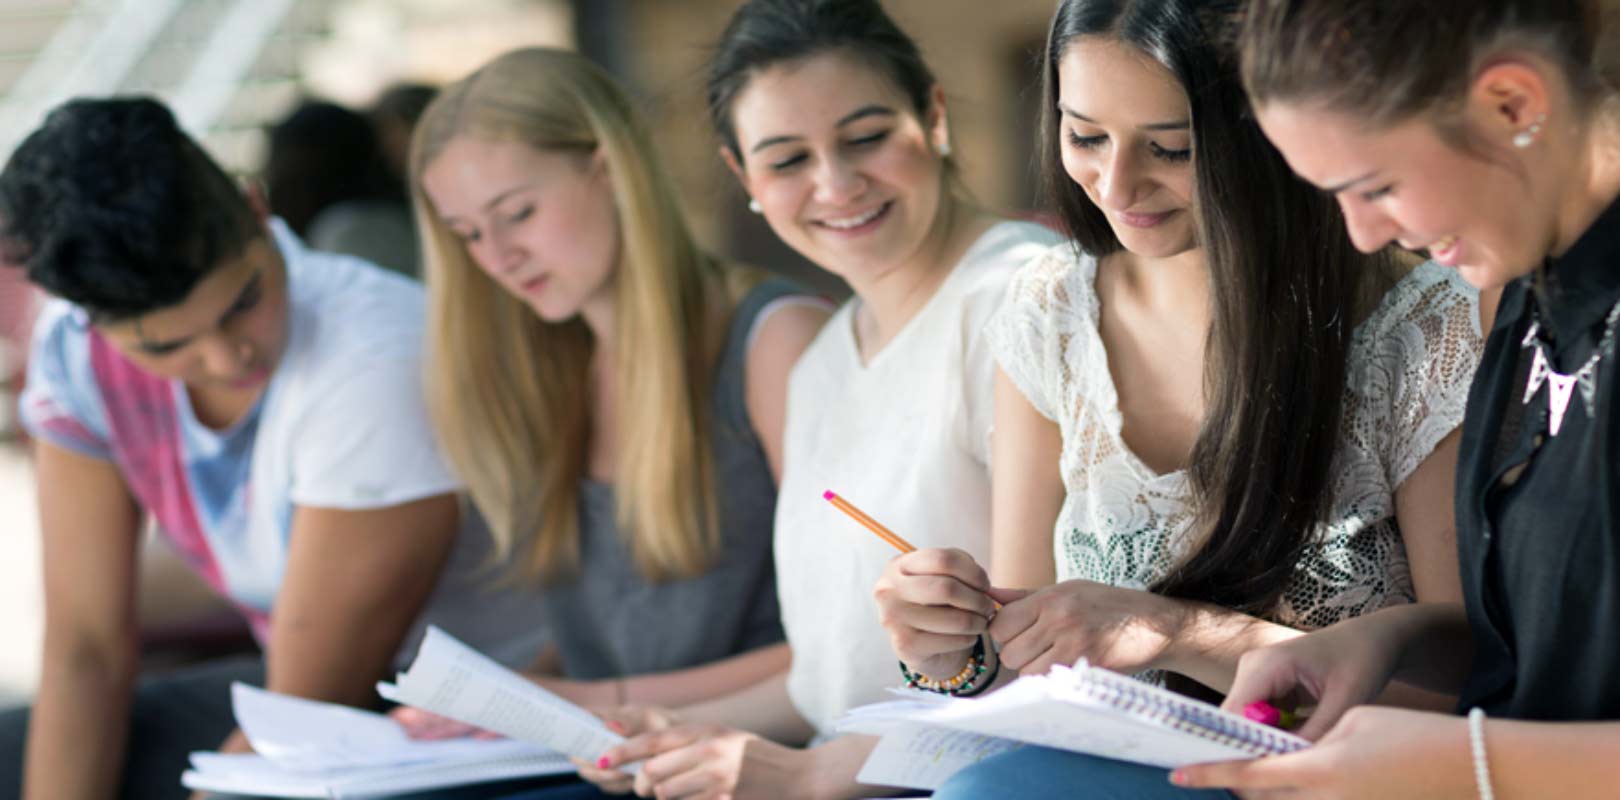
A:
[1178,778]
[604,762]
[615,726]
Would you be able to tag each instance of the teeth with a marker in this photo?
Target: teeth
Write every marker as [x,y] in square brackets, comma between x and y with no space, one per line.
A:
[1443,244]
[855,222]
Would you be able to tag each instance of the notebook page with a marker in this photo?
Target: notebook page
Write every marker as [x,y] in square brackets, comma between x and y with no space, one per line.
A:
[453,680]
[925,756]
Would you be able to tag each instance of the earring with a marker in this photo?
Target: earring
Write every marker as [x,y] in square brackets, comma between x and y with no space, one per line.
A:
[753,205]
[945,149]
[1523,139]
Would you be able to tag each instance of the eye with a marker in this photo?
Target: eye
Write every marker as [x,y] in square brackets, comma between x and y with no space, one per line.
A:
[869,139]
[1087,142]
[247,301]
[1378,194]
[789,163]
[1173,156]
[466,235]
[521,214]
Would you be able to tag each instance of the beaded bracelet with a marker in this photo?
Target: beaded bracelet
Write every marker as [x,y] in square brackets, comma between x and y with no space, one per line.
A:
[1476,741]
[953,685]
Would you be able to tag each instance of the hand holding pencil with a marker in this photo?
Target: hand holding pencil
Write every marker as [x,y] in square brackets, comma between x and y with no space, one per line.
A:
[934,602]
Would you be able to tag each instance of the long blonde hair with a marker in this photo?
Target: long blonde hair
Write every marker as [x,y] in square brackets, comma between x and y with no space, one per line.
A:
[507,391]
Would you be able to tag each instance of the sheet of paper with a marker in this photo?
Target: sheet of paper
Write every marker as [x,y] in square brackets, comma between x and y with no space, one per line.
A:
[925,756]
[252,774]
[453,680]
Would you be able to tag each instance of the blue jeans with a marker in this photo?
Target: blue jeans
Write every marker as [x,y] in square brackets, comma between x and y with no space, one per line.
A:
[171,715]
[1032,773]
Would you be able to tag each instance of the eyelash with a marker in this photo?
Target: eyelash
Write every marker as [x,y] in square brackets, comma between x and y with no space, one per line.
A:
[516,217]
[1094,142]
[859,142]
[1378,194]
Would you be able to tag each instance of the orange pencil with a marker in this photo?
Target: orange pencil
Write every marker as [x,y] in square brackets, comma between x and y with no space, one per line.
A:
[873,525]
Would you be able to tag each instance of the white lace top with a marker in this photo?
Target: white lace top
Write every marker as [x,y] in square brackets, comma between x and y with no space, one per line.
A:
[1411,363]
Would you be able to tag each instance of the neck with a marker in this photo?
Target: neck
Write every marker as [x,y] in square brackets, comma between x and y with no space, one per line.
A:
[1597,182]
[601,316]
[1177,286]
[890,300]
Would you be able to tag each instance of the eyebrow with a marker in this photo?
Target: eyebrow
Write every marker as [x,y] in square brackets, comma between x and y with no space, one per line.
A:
[160,348]
[1347,184]
[1179,125]
[858,114]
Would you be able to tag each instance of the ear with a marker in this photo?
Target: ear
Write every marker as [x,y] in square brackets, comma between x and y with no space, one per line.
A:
[253,193]
[736,167]
[1507,98]
[939,128]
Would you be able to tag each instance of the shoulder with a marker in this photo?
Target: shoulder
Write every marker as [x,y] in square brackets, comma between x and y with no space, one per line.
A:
[1430,307]
[342,307]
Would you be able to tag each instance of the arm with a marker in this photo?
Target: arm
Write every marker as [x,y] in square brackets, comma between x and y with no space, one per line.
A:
[91,532]
[782,338]
[678,687]
[1026,491]
[355,581]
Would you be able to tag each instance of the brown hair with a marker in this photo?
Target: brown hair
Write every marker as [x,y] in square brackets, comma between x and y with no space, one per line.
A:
[1386,61]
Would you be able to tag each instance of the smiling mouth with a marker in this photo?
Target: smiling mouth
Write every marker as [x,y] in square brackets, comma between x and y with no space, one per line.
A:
[1140,220]
[533,284]
[859,221]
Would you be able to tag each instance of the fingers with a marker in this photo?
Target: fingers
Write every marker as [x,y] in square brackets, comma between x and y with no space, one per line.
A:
[428,726]
[1274,773]
[936,590]
[689,771]
[609,781]
[1029,655]
[1013,620]
[647,745]
[1005,596]
[946,562]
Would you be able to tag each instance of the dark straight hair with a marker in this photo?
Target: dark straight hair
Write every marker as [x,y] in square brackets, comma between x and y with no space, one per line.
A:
[1286,283]
[765,33]
[1382,60]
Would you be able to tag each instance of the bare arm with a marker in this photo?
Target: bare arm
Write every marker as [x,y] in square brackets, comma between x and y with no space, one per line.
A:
[678,687]
[1027,491]
[91,529]
[355,581]
[763,708]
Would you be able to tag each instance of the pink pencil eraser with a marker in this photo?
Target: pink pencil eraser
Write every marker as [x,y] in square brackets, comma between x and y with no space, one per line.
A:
[1262,712]
[828,495]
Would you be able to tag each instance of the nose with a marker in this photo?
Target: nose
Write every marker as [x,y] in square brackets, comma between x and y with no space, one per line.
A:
[498,253]
[1119,179]
[225,355]
[838,181]
[1369,227]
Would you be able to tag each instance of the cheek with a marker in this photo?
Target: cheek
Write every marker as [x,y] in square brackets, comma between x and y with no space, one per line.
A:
[1079,168]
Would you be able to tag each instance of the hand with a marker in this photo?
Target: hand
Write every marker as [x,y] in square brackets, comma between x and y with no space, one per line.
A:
[428,726]
[708,762]
[933,604]
[1119,629]
[629,721]
[1335,669]
[1374,752]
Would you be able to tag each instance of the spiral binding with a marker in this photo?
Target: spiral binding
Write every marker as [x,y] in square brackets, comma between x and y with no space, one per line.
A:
[1180,713]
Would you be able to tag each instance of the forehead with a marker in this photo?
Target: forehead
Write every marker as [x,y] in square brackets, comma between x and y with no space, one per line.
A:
[1329,148]
[208,301]
[811,95]
[470,171]
[1110,81]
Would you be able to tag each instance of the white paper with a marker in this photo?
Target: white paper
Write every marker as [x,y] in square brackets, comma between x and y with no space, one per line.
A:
[1068,709]
[453,680]
[925,756]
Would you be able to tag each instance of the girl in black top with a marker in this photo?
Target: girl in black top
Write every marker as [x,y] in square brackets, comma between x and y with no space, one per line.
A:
[1488,132]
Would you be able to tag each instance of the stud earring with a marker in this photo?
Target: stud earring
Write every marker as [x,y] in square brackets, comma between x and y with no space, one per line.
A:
[753,205]
[945,149]
[1523,139]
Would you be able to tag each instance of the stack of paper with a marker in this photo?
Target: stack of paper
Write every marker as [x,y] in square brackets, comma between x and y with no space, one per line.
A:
[305,748]
[451,679]
[1084,709]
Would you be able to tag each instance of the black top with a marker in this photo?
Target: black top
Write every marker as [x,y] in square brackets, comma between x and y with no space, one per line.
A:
[1538,516]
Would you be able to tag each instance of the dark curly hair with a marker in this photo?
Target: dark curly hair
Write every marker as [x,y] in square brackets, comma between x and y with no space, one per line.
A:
[112,207]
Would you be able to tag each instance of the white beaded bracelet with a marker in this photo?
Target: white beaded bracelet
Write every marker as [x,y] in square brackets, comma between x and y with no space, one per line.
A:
[1482,767]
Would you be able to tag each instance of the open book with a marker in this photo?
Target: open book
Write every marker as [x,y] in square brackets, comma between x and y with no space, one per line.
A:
[926,739]
[452,680]
[305,748]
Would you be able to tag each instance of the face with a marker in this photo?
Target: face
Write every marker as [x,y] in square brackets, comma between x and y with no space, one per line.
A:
[841,166]
[1127,142]
[541,223]
[226,336]
[1406,184]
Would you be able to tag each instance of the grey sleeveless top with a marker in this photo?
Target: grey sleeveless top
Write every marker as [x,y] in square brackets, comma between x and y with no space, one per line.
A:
[609,621]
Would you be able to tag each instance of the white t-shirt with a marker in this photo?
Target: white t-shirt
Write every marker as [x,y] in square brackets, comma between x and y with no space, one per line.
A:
[905,438]
[342,424]
[1411,362]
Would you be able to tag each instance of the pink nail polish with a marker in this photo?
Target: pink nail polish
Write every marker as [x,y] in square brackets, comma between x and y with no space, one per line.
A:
[604,762]
[1178,778]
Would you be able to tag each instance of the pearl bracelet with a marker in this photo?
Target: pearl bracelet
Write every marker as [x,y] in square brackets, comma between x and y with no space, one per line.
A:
[1476,740]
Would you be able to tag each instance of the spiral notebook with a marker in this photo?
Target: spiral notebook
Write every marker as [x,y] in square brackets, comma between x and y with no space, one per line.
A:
[1083,708]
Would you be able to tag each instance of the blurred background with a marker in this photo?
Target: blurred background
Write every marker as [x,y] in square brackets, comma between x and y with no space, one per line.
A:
[243,75]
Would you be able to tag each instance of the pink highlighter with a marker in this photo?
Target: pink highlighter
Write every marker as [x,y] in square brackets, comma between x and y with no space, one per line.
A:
[1267,714]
